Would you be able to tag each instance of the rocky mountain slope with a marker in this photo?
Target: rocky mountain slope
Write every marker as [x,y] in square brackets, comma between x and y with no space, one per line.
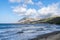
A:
[52,20]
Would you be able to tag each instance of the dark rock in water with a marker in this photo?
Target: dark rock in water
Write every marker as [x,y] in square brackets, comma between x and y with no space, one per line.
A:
[50,36]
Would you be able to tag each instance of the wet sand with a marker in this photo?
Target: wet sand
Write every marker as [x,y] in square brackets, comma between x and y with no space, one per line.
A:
[50,36]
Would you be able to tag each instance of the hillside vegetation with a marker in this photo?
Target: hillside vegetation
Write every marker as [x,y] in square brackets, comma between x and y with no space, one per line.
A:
[51,20]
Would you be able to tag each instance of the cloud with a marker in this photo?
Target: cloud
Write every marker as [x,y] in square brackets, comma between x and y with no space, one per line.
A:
[39,4]
[52,9]
[13,1]
[31,11]
[19,10]
[28,2]
[24,11]
[44,11]
[24,1]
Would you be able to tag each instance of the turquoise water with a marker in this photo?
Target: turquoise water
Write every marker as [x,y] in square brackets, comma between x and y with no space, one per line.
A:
[25,31]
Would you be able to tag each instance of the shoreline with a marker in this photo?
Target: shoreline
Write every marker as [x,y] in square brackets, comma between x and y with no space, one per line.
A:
[50,36]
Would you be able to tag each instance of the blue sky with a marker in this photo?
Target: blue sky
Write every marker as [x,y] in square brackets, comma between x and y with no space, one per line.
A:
[13,10]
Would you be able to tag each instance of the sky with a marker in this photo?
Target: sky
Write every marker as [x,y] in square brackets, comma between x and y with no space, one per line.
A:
[13,10]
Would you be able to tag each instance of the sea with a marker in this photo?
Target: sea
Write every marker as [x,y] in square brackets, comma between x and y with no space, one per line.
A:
[25,31]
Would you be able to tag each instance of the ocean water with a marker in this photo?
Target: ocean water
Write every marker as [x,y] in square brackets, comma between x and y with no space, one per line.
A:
[25,31]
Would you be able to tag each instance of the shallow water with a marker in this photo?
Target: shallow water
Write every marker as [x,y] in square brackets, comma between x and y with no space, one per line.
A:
[25,31]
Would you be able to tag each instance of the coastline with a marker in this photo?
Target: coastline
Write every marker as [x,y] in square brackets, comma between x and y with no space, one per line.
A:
[50,36]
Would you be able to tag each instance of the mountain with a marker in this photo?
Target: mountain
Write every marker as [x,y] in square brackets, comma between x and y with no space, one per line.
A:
[28,20]
[52,20]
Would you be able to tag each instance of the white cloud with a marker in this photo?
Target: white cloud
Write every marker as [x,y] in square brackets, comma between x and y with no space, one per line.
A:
[28,2]
[50,9]
[24,1]
[14,1]
[30,11]
[24,11]
[39,4]
[19,10]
